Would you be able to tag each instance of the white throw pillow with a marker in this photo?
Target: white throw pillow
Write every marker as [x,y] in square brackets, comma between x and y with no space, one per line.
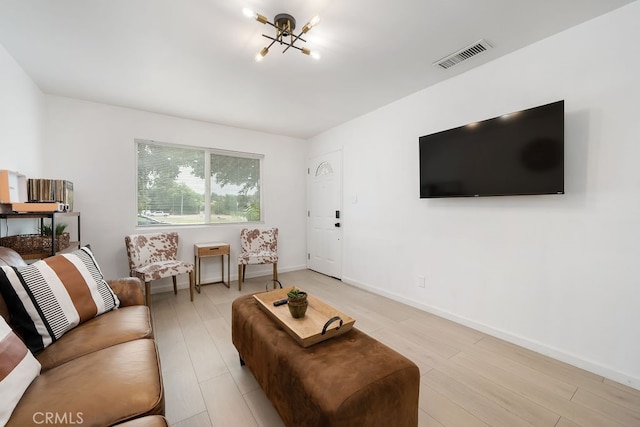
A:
[17,370]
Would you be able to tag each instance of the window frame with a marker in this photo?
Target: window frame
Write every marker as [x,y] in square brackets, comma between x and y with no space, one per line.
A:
[207,152]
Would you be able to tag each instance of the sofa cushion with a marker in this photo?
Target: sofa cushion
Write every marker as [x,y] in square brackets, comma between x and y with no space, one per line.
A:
[148,421]
[115,327]
[18,368]
[103,388]
[54,295]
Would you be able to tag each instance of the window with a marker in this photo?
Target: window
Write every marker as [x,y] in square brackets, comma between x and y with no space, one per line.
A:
[187,185]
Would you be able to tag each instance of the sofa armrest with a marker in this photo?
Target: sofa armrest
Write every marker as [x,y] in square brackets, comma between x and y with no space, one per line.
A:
[128,290]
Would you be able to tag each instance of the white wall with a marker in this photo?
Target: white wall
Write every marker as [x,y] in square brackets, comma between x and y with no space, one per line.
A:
[554,273]
[20,118]
[92,145]
[21,109]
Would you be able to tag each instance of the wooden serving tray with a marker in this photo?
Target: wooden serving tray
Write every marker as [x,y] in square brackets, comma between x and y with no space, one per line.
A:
[307,330]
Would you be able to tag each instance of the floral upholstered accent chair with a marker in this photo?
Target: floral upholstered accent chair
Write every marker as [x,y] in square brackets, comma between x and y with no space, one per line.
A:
[153,257]
[258,246]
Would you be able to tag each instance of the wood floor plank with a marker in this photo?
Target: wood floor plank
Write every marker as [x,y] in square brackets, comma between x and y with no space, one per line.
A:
[410,349]
[622,387]
[543,381]
[182,392]
[205,307]
[225,403]
[617,393]
[435,341]
[205,357]
[560,370]
[513,402]
[563,422]
[426,420]
[262,409]
[198,420]
[449,332]
[625,416]
[478,405]
[221,333]
[444,410]
[540,395]
[468,378]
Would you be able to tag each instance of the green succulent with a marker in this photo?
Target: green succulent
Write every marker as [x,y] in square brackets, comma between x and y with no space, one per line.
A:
[47,230]
[296,294]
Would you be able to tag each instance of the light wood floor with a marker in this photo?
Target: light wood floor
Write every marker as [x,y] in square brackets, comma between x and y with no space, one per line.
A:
[468,378]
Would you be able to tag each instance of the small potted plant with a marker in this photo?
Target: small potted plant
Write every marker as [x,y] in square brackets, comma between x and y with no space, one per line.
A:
[62,237]
[297,303]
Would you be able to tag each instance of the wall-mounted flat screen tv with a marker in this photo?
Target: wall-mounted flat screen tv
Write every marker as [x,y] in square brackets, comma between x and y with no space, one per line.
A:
[519,153]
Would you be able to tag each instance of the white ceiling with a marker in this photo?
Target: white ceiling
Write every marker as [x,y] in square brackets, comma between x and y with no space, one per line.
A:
[194,58]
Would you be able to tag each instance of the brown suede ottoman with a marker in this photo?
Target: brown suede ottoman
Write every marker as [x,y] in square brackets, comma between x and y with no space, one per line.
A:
[350,380]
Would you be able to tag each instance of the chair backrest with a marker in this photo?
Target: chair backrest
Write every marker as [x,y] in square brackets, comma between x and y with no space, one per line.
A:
[259,240]
[143,249]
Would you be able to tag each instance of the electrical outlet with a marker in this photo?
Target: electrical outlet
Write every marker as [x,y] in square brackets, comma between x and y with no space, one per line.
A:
[421,282]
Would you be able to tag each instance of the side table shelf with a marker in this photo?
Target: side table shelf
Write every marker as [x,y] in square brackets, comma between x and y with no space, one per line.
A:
[203,250]
[53,216]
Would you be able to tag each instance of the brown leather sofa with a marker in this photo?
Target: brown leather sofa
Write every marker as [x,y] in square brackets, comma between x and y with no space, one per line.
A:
[104,372]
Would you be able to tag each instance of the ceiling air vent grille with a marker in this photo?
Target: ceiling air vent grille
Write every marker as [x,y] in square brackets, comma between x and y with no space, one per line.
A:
[463,54]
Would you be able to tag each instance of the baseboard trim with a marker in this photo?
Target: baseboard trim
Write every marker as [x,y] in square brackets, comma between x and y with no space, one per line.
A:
[532,345]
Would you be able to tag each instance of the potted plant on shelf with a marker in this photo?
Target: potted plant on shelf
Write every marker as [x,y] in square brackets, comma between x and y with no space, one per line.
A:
[297,303]
[62,237]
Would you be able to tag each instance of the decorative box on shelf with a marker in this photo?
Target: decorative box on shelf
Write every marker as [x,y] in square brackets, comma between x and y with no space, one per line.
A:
[13,187]
[29,244]
[51,237]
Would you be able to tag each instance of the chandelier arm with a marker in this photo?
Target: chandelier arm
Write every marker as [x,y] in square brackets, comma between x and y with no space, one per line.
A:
[295,40]
[271,44]
[282,41]
[273,25]
[293,46]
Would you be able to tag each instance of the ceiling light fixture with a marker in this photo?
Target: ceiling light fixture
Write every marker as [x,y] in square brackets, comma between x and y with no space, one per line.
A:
[285,25]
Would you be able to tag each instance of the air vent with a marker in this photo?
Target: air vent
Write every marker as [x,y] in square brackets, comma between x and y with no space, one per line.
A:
[463,54]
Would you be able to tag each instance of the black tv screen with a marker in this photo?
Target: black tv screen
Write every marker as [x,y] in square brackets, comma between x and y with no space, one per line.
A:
[515,154]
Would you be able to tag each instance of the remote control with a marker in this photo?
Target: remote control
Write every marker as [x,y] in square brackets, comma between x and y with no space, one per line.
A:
[280,302]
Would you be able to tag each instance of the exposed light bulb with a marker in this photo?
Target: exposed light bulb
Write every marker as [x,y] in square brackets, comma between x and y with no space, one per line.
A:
[248,13]
[314,21]
[260,55]
[309,25]
[315,55]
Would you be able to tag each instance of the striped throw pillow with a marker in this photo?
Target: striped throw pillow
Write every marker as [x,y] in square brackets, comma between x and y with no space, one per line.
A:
[18,368]
[54,295]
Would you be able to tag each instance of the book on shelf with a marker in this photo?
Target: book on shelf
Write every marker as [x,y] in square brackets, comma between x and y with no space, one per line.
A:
[51,190]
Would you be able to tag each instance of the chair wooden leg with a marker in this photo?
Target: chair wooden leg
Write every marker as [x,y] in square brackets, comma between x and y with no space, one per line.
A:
[147,293]
[191,284]
[239,277]
[175,286]
[275,273]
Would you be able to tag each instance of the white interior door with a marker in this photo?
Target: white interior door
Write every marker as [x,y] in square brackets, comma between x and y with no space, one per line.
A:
[324,215]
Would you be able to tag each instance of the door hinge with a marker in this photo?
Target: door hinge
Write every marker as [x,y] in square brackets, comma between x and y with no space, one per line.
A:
[308,256]
[308,213]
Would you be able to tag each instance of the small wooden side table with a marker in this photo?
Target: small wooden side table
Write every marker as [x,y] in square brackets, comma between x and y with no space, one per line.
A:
[204,250]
